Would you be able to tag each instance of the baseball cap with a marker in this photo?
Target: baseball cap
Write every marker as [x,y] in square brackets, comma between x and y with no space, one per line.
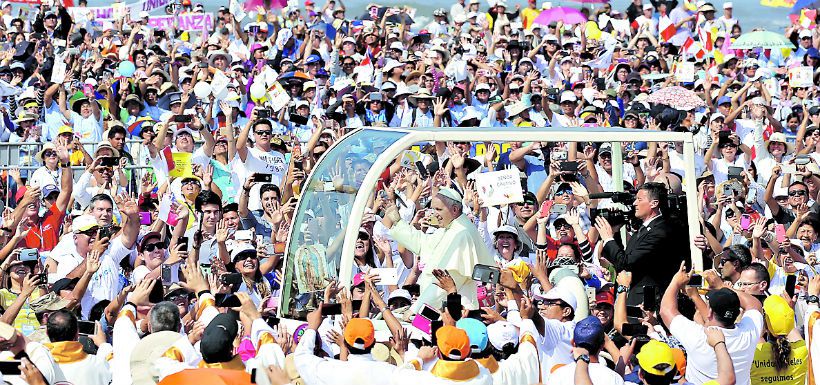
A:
[477,333]
[562,294]
[217,339]
[724,100]
[84,223]
[589,333]
[805,33]
[605,148]
[502,333]
[359,333]
[568,96]
[399,293]
[358,279]
[50,189]
[240,248]
[606,297]
[728,5]
[725,303]
[779,315]
[656,358]
[453,342]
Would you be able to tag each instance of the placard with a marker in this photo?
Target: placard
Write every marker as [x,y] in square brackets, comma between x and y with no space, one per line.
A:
[279,98]
[801,76]
[237,10]
[499,187]
[409,159]
[186,21]
[58,71]
[182,165]
[685,72]
[219,82]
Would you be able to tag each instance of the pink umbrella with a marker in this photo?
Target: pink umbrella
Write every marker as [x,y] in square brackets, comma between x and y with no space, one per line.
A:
[566,14]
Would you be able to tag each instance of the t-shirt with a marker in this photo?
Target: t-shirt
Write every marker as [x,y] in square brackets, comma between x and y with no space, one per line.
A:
[741,342]
[26,321]
[763,371]
[598,372]
[106,283]
[555,345]
[45,235]
[272,162]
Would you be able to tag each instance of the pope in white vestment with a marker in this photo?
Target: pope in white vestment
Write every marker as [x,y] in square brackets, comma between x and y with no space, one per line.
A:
[456,247]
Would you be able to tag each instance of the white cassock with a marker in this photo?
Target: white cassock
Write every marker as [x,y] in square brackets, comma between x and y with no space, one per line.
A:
[456,248]
[359,369]
[80,367]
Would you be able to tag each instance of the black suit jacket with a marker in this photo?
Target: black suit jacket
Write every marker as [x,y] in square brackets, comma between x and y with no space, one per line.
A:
[653,257]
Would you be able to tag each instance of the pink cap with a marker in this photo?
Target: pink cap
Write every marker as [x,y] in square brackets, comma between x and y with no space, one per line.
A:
[358,279]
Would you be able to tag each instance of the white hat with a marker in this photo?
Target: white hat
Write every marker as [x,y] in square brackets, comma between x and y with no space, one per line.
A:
[144,15]
[397,45]
[460,18]
[482,87]
[568,96]
[241,248]
[648,6]
[84,222]
[400,293]
[517,108]
[805,33]
[501,334]
[561,293]
[5,4]
[450,193]
[727,5]
[392,64]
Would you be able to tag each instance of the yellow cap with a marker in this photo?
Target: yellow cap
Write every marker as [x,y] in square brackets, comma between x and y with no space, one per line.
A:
[779,315]
[656,358]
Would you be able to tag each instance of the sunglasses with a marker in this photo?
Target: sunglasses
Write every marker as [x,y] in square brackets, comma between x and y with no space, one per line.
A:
[154,246]
[563,226]
[525,203]
[92,232]
[190,181]
[49,153]
[364,236]
[244,256]
[797,193]
[562,192]
[260,133]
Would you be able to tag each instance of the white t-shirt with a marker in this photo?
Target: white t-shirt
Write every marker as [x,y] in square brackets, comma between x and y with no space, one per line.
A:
[598,372]
[720,167]
[741,342]
[43,177]
[105,283]
[555,345]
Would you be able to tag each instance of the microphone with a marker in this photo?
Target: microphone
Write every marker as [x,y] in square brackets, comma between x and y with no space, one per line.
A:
[605,195]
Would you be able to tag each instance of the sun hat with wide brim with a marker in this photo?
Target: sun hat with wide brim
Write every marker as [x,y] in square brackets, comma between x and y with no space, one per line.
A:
[75,105]
[779,137]
[215,54]
[422,93]
[46,147]
[517,108]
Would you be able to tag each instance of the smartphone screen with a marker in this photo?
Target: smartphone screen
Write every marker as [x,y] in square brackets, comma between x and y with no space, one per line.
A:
[545,209]
[695,281]
[745,221]
[86,327]
[634,312]
[791,281]
[780,233]
[633,329]
[430,313]
[649,299]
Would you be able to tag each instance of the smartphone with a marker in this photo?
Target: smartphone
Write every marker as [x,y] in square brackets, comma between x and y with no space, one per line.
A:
[263,113]
[422,170]
[571,167]
[600,84]
[387,276]
[453,305]
[29,255]
[145,218]
[231,279]
[780,233]
[559,155]
[423,320]
[791,281]
[331,309]
[630,329]
[184,242]
[183,118]
[166,275]
[545,208]
[745,221]
[487,274]
[413,289]
[109,161]
[86,327]
[227,300]
[42,278]
[735,173]
[634,312]
[10,368]
[751,196]
[696,280]
[650,301]
[157,293]
[728,190]
[558,209]
[802,160]
[262,178]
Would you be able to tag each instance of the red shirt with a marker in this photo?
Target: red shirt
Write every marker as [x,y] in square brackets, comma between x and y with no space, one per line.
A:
[45,234]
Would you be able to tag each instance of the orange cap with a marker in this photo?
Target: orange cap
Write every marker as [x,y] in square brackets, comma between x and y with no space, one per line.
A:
[453,342]
[680,361]
[359,333]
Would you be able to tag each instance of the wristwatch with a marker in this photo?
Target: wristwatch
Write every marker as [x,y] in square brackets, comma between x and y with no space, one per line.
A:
[583,357]
[812,299]
[65,165]
[621,289]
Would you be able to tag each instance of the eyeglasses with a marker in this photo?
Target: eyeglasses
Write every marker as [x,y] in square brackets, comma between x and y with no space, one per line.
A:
[260,133]
[243,256]
[724,260]
[797,193]
[92,232]
[563,226]
[49,153]
[154,246]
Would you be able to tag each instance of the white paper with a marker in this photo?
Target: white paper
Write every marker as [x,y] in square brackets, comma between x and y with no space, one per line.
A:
[58,71]
[409,159]
[237,10]
[279,98]
[499,187]
[801,77]
[219,82]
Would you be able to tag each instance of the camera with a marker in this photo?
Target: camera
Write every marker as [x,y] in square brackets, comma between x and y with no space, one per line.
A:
[613,216]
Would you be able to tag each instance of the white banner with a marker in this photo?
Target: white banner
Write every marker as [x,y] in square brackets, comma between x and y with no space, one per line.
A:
[499,187]
[117,10]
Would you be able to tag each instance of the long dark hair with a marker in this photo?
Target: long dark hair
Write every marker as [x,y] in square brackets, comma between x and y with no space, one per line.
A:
[781,350]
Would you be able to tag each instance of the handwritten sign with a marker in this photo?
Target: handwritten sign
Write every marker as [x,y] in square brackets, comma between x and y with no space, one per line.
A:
[801,76]
[182,165]
[409,158]
[187,21]
[117,10]
[279,98]
[499,187]
[685,72]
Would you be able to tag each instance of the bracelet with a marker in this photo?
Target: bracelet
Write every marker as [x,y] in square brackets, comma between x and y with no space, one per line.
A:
[719,342]
[65,165]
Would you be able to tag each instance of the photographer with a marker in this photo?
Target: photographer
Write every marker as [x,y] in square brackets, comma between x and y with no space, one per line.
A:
[658,236]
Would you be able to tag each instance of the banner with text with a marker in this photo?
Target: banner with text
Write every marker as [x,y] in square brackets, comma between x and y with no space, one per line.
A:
[117,10]
[187,21]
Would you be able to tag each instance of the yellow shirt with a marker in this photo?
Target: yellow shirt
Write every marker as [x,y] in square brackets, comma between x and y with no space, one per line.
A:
[763,371]
[528,15]
[26,322]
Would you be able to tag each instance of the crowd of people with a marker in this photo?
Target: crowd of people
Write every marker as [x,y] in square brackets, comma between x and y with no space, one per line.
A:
[146,224]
